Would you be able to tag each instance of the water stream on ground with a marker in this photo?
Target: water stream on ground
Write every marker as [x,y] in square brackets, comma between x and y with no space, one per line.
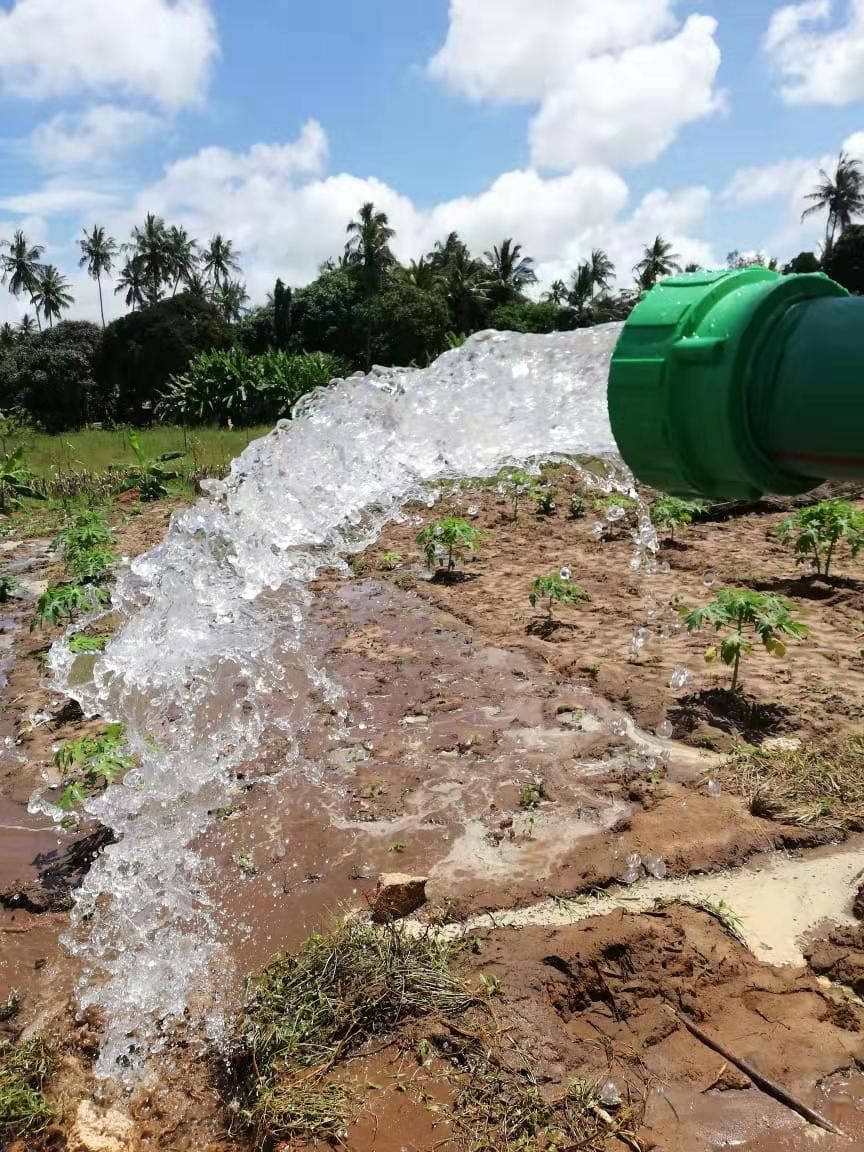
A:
[203,650]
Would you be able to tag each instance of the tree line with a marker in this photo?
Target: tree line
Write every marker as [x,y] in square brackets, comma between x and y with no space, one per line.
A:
[363,307]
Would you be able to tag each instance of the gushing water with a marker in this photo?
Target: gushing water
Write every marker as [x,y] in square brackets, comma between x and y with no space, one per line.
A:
[202,649]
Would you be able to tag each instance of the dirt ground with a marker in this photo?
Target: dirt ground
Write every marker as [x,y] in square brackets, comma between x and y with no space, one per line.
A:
[509,760]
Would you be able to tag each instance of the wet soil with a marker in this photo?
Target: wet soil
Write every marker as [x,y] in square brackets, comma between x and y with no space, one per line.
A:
[511,760]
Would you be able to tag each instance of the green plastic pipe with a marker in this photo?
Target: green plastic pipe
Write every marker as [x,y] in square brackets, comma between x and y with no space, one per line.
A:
[730,385]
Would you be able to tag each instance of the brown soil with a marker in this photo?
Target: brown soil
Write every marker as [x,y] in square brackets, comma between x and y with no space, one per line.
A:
[457,696]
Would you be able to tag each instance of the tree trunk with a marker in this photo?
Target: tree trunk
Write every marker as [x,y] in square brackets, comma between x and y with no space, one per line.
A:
[101,306]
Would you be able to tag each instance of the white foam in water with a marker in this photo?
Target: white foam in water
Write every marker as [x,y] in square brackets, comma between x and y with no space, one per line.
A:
[201,652]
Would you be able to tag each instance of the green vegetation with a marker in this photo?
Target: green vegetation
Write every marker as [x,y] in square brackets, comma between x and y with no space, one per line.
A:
[545,500]
[148,475]
[309,1010]
[90,764]
[532,795]
[16,480]
[819,784]
[516,483]
[669,513]
[85,544]
[83,645]
[770,617]
[818,530]
[390,561]
[8,587]
[455,537]
[63,602]
[24,1069]
[576,506]
[556,588]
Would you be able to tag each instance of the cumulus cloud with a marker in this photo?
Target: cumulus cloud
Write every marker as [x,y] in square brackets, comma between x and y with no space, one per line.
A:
[614,81]
[159,50]
[818,64]
[90,139]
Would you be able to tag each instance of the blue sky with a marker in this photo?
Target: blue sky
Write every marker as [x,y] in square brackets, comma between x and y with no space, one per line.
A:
[568,123]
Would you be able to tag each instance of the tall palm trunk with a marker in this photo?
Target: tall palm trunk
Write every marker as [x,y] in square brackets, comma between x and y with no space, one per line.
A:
[101,306]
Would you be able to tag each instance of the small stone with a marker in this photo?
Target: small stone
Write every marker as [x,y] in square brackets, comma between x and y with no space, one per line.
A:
[858,906]
[398,895]
[101,1130]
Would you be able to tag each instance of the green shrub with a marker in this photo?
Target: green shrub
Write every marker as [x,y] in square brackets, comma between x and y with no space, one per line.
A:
[669,513]
[816,532]
[770,617]
[90,764]
[85,545]
[62,603]
[51,376]
[232,386]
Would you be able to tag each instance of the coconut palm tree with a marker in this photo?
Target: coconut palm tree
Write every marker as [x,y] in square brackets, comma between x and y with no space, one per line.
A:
[232,298]
[20,266]
[369,239]
[52,293]
[842,196]
[658,261]
[467,287]
[131,281]
[220,260]
[556,293]
[508,271]
[26,325]
[150,248]
[8,336]
[98,250]
[581,288]
[602,270]
[423,274]
[450,249]
[182,256]
[195,285]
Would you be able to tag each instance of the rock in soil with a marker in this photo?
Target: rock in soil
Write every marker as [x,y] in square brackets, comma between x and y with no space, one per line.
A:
[858,906]
[101,1130]
[397,896]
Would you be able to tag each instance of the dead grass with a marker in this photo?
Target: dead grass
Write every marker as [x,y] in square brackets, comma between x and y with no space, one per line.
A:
[24,1068]
[312,1009]
[820,784]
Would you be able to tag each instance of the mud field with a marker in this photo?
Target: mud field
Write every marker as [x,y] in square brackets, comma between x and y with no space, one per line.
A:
[594,841]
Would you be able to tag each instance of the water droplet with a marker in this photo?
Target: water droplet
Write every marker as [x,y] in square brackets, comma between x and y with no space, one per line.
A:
[656,866]
[566,574]
[610,1095]
[680,678]
[710,579]
[665,730]
[615,513]
[597,530]
[616,725]
[632,868]
[715,788]
[473,510]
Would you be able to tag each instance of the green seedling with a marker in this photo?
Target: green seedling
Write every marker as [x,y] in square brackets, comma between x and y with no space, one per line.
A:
[148,474]
[577,506]
[516,483]
[532,795]
[399,847]
[557,588]
[90,764]
[670,513]
[455,537]
[63,601]
[817,531]
[390,561]
[545,501]
[770,618]
[16,480]
[245,863]
[9,587]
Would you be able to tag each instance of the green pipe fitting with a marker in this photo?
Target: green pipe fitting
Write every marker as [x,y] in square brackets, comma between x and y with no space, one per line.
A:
[728,385]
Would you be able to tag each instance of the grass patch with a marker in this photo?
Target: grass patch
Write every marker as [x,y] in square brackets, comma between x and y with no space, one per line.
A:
[502,1107]
[818,785]
[309,1010]
[24,1068]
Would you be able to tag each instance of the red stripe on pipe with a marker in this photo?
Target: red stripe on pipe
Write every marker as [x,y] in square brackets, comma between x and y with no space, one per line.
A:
[821,458]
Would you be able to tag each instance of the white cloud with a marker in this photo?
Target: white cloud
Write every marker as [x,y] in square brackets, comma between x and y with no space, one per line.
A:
[854,145]
[818,65]
[627,109]
[614,81]
[782,180]
[58,198]
[160,50]
[90,139]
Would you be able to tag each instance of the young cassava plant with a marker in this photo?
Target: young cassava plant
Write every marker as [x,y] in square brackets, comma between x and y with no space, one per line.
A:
[90,764]
[817,531]
[62,602]
[770,619]
[516,483]
[669,513]
[449,537]
[556,588]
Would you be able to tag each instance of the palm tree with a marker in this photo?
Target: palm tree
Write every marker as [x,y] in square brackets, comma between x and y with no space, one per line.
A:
[658,261]
[52,294]
[25,325]
[20,267]
[451,249]
[602,270]
[423,274]
[195,285]
[98,250]
[467,289]
[8,336]
[131,281]
[182,256]
[232,298]
[556,293]
[581,287]
[220,260]
[369,244]
[150,246]
[508,271]
[842,196]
